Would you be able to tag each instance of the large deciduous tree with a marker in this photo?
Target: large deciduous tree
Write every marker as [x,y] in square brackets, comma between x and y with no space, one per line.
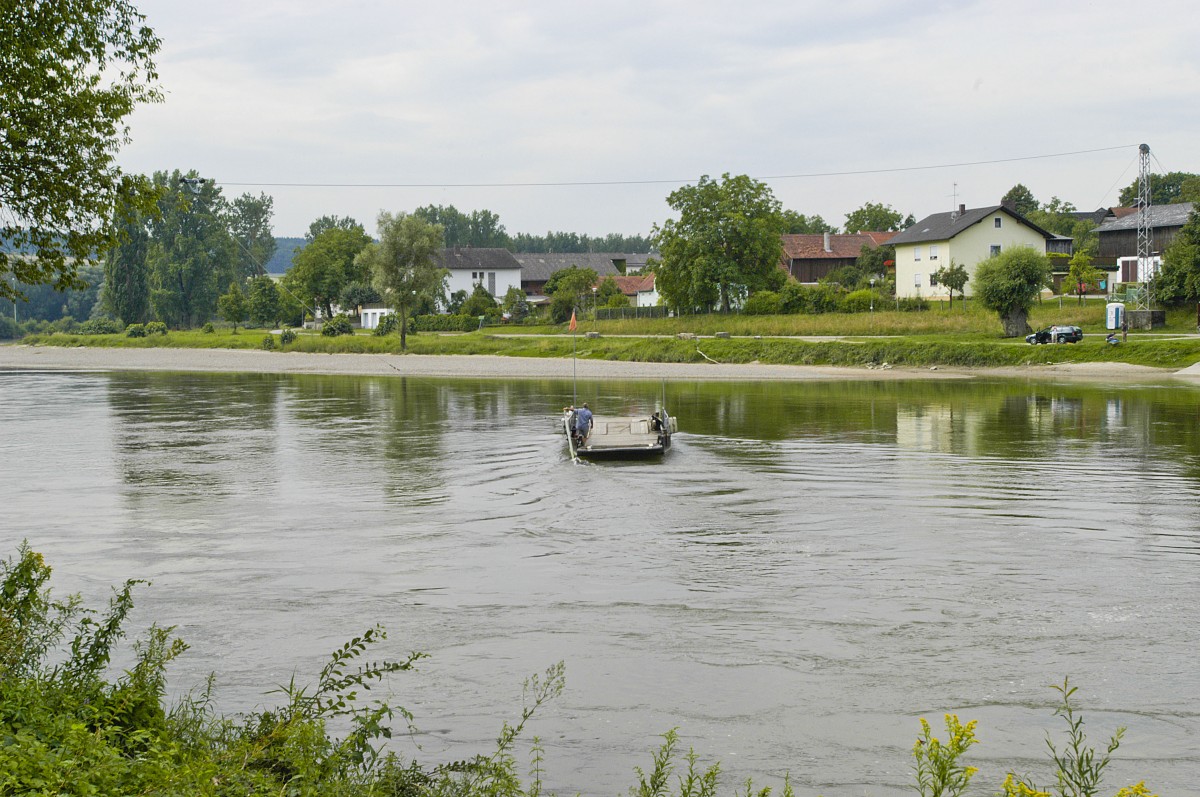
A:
[191,253]
[250,224]
[71,71]
[1165,189]
[403,265]
[798,224]
[328,223]
[1179,280]
[1021,198]
[263,304]
[877,217]
[724,244]
[1008,283]
[322,270]
[126,271]
[482,228]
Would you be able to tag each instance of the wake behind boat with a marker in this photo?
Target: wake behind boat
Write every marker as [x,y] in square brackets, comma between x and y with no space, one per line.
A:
[619,436]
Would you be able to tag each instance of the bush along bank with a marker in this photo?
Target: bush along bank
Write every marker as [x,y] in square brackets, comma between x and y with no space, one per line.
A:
[67,726]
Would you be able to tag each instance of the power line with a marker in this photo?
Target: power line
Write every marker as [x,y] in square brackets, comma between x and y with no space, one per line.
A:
[584,183]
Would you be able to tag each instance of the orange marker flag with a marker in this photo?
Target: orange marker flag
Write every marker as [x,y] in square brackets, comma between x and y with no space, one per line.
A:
[573,325]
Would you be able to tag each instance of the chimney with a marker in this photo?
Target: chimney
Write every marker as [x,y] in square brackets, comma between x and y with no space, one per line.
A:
[962,209]
[827,249]
[1008,205]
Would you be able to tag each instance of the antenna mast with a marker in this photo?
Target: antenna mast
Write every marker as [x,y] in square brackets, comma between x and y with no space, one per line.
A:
[1145,239]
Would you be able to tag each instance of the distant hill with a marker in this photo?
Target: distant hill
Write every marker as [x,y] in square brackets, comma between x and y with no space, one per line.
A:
[284,249]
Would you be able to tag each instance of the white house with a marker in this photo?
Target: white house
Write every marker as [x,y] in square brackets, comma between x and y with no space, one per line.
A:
[495,269]
[966,236]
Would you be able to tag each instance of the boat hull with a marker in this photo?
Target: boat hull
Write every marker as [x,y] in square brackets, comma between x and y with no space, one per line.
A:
[621,437]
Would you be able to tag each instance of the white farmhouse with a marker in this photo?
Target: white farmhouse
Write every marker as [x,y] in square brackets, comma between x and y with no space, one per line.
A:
[495,269]
[966,236]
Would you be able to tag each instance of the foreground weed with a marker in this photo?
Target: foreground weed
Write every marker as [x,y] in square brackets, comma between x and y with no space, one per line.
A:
[1078,768]
[938,769]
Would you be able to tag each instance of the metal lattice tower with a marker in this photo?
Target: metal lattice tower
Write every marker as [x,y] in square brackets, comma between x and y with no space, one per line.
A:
[1145,237]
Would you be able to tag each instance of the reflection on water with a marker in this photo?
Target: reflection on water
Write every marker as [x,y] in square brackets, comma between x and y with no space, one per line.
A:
[809,570]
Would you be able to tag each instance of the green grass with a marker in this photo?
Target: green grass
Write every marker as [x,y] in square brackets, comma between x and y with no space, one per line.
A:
[960,337]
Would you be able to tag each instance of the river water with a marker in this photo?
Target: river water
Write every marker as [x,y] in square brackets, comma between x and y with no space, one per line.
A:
[812,568]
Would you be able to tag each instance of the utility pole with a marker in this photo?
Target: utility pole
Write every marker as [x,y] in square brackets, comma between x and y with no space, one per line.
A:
[1145,234]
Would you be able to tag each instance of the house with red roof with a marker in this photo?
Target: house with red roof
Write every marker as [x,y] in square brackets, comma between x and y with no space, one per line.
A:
[809,258]
[639,288]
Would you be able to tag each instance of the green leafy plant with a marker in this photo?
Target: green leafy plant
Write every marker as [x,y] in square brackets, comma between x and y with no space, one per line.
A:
[939,771]
[338,325]
[100,326]
[287,336]
[1078,768]
[159,328]
[135,331]
[208,329]
[268,342]
[388,325]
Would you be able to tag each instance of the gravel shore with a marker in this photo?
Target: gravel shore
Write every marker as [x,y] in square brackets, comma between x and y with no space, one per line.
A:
[19,357]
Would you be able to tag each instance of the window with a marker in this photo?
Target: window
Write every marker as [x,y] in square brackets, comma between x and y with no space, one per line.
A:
[997,222]
[933,252]
[917,280]
[916,253]
[932,281]
[995,249]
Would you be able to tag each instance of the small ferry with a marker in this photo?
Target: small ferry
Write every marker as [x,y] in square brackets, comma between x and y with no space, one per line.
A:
[618,437]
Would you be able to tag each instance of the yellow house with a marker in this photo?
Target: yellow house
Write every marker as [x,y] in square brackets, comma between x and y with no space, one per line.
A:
[964,236]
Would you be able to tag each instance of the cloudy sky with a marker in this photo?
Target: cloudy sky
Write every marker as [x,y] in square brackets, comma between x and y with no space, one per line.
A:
[583,117]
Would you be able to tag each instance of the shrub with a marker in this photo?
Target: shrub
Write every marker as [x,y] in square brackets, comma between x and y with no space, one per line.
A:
[268,342]
[762,303]
[338,325]
[9,329]
[135,331]
[209,329]
[64,324]
[445,323]
[858,301]
[912,304]
[287,336]
[388,325]
[158,328]
[100,326]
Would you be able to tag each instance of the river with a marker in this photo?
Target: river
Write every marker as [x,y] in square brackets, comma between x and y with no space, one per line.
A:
[812,568]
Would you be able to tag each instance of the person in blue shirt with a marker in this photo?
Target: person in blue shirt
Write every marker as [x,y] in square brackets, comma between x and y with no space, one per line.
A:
[583,423]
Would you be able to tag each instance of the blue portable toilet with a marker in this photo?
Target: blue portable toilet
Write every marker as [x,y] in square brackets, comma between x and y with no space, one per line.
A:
[1114,315]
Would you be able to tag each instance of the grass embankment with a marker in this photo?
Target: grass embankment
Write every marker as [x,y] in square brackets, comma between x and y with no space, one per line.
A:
[963,337]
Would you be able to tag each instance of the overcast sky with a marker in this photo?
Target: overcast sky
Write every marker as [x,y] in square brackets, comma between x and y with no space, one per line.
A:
[651,95]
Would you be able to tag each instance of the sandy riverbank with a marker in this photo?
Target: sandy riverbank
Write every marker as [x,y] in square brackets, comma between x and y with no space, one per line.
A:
[491,367]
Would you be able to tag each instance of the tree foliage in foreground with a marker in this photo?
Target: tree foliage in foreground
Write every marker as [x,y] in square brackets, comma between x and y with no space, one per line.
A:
[72,71]
[724,245]
[1009,283]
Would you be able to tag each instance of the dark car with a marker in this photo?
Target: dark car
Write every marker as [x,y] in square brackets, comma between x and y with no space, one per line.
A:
[1056,334]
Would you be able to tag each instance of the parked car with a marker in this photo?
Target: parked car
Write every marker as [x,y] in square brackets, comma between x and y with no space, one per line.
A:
[1056,334]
